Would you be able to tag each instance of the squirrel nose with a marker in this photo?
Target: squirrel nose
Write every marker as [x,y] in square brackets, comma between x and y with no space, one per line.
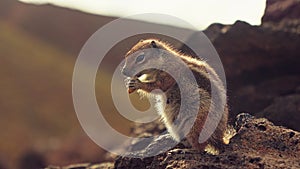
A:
[125,71]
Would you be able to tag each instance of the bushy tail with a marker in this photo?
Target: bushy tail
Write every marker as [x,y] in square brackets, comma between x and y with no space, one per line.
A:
[228,134]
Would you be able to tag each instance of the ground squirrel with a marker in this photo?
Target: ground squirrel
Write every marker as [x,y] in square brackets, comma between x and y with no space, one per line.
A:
[168,106]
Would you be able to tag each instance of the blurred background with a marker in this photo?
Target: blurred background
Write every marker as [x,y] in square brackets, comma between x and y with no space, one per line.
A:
[39,44]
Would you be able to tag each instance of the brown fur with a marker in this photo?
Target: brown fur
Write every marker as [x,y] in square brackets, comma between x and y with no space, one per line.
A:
[163,81]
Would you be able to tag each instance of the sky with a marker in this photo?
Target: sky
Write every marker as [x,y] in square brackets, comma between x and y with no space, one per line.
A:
[199,13]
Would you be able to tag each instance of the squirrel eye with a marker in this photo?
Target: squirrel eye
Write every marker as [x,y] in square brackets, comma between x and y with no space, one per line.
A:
[140,58]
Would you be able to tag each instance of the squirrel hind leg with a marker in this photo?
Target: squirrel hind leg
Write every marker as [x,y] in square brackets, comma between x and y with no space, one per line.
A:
[192,138]
[213,145]
[208,147]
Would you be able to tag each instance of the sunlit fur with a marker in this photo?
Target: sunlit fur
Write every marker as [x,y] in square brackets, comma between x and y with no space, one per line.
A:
[168,105]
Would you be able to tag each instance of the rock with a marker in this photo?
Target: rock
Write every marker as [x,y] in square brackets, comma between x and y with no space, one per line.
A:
[284,111]
[257,144]
[214,30]
[241,120]
[282,15]
[85,166]
[32,159]
[260,64]
[277,11]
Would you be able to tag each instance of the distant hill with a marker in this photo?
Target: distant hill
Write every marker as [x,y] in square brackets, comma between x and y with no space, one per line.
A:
[36,100]
[65,28]
[35,78]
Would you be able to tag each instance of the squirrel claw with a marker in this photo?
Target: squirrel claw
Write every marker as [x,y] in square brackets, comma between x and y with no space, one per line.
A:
[133,85]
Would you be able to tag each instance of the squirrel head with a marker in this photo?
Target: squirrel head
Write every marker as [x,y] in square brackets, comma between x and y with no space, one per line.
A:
[142,56]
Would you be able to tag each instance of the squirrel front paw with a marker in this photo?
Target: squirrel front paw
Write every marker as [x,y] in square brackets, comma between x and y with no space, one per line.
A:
[133,85]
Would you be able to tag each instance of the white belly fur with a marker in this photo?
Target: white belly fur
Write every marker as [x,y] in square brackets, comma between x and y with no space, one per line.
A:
[159,100]
[160,106]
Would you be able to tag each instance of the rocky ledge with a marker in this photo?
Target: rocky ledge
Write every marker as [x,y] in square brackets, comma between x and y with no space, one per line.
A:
[258,144]
[282,15]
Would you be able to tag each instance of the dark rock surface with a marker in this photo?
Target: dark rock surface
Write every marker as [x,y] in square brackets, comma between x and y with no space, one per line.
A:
[277,11]
[282,15]
[31,160]
[261,63]
[284,110]
[257,144]
[85,166]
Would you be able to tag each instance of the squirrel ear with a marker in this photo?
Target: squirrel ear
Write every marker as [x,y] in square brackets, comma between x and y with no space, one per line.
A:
[153,44]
